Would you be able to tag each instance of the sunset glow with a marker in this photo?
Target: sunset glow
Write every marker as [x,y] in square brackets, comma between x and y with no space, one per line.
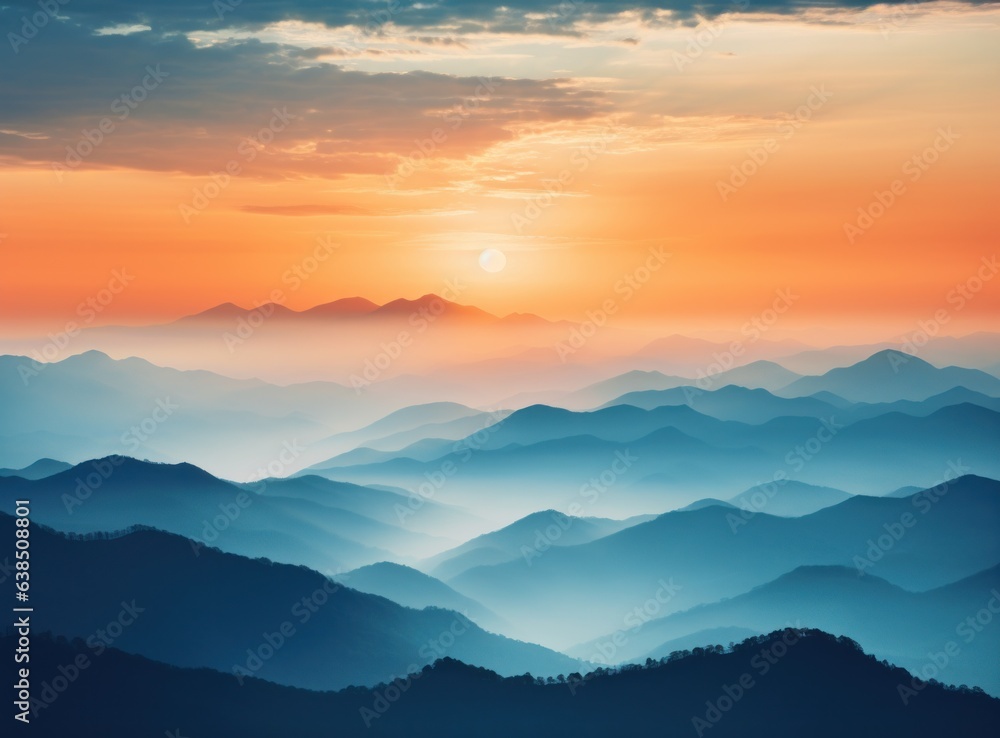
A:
[572,154]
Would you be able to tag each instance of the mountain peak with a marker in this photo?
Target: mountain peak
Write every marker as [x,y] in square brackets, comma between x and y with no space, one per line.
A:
[222,310]
[228,311]
[343,306]
[92,356]
[128,467]
[423,301]
[890,375]
[434,305]
[893,359]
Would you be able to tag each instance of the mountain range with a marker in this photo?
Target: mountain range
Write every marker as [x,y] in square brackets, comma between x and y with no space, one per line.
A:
[888,621]
[412,588]
[195,606]
[308,521]
[547,457]
[818,675]
[511,542]
[685,558]
[504,511]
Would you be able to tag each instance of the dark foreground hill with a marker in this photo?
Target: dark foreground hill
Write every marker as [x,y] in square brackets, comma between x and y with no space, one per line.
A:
[818,685]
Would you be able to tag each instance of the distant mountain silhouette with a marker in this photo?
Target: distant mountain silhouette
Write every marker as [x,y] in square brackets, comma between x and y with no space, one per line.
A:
[434,305]
[890,375]
[951,536]
[347,306]
[409,418]
[517,479]
[426,449]
[832,399]
[90,405]
[948,398]
[819,686]
[378,503]
[306,527]
[510,542]
[449,348]
[895,448]
[540,423]
[706,502]
[762,374]
[228,312]
[758,374]
[358,307]
[38,470]
[907,491]
[600,393]
[540,456]
[791,499]
[210,609]
[405,432]
[973,350]
[412,588]
[753,406]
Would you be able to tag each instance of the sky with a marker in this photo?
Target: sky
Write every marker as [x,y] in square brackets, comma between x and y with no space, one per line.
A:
[178,155]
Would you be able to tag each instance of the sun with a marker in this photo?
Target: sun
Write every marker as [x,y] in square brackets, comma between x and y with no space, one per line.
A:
[492,260]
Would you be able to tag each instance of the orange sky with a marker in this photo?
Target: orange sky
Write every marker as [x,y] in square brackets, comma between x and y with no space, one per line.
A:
[641,147]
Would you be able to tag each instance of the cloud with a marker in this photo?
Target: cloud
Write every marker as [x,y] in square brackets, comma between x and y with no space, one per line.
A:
[449,17]
[30,135]
[439,41]
[77,92]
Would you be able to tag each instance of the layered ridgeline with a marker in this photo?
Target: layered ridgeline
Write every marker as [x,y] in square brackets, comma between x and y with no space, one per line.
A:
[402,336]
[857,501]
[37,470]
[790,499]
[90,405]
[784,685]
[308,520]
[551,578]
[910,629]
[413,337]
[677,445]
[686,456]
[523,537]
[686,558]
[892,375]
[757,406]
[173,600]
[415,589]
